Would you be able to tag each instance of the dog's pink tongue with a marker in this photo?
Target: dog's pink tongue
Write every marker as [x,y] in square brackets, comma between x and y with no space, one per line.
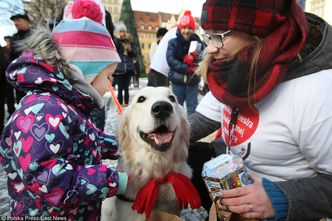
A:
[161,138]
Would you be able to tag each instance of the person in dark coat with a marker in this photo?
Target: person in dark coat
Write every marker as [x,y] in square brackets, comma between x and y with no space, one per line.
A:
[183,62]
[125,69]
[3,66]
[23,25]
[9,95]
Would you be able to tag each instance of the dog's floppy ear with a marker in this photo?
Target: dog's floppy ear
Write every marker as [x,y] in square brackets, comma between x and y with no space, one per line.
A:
[181,153]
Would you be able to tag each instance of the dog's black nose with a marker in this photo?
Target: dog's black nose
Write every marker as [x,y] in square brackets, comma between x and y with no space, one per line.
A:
[161,109]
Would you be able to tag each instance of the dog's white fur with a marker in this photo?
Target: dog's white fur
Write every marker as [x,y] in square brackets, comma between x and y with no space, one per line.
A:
[141,161]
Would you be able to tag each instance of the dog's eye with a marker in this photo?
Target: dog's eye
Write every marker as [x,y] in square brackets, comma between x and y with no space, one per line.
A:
[141,99]
[172,98]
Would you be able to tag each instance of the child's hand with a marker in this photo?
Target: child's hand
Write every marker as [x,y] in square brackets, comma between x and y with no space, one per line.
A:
[122,171]
[191,69]
[189,59]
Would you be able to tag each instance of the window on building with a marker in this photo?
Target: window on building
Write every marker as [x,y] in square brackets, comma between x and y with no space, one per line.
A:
[142,45]
[142,27]
[149,28]
[317,7]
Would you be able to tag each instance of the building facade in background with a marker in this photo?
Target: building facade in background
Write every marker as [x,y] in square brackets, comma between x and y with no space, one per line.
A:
[114,7]
[322,8]
[147,24]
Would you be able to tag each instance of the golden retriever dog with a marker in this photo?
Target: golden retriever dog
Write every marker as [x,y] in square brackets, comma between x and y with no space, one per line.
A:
[154,139]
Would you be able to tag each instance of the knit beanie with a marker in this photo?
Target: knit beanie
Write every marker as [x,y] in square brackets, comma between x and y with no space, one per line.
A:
[260,17]
[120,26]
[187,21]
[84,41]
[67,12]
[283,29]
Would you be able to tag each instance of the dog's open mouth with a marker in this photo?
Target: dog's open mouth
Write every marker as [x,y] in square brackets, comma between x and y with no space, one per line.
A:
[160,139]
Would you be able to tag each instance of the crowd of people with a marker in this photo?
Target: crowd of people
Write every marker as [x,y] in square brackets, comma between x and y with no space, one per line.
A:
[268,67]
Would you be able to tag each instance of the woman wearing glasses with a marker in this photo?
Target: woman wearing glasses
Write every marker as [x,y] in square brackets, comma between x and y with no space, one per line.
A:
[271,66]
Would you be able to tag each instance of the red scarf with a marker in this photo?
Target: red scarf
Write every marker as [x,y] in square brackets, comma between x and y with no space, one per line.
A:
[228,80]
[184,190]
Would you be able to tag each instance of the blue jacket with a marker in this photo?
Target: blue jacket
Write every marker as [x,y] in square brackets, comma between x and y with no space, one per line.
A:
[177,49]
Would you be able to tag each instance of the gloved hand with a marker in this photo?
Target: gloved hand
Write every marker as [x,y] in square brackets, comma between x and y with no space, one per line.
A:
[191,69]
[195,54]
[189,59]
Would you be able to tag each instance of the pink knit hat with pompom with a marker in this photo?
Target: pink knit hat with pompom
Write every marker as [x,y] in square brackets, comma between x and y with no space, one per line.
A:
[87,8]
[84,41]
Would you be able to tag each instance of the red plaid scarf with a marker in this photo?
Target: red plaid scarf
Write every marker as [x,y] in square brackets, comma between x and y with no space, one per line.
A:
[228,81]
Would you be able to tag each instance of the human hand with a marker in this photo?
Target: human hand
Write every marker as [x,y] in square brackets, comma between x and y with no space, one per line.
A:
[250,201]
[194,54]
[191,69]
[127,46]
[189,59]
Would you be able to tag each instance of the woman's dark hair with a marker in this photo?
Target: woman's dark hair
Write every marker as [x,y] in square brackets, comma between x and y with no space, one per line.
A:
[161,32]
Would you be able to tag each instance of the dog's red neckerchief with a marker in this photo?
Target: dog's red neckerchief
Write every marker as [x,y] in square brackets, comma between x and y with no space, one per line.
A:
[184,190]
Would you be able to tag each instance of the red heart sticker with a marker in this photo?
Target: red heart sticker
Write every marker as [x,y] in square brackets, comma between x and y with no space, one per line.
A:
[245,126]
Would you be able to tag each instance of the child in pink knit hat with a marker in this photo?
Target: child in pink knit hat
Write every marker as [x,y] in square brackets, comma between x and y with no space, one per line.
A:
[50,148]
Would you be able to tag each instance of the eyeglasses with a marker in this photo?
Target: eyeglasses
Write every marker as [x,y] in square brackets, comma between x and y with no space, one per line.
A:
[217,39]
